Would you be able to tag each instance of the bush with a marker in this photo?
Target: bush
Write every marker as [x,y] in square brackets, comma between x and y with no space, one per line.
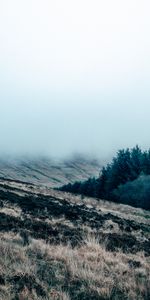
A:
[136,193]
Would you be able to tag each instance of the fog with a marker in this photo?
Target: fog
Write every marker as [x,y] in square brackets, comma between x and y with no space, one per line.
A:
[74,76]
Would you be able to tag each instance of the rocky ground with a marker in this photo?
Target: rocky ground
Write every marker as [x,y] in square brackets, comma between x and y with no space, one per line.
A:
[58,246]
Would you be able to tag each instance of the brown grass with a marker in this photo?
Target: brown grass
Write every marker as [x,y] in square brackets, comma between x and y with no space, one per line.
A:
[59,270]
[39,270]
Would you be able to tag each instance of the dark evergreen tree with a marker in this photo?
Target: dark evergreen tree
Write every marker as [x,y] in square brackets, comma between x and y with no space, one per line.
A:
[115,178]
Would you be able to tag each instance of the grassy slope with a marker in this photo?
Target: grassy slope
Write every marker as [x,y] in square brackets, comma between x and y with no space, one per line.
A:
[58,246]
[47,172]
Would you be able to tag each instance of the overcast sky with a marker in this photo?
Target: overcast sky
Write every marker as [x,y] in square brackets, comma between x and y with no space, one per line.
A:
[74,76]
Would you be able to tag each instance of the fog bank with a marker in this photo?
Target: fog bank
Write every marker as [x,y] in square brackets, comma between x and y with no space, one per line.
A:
[74,77]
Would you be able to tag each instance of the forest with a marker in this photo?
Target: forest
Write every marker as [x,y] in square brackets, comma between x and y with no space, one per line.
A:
[125,180]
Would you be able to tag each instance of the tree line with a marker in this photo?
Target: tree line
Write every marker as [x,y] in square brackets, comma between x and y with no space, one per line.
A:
[125,180]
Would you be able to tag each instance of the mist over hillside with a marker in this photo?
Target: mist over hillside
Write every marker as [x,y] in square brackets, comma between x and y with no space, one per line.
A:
[47,171]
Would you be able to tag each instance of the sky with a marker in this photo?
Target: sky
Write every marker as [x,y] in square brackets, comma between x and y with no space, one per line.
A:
[74,76]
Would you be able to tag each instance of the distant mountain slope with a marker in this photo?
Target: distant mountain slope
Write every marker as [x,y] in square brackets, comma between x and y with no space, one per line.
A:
[44,171]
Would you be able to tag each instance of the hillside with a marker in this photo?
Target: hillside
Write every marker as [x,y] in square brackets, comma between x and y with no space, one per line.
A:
[58,246]
[48,172]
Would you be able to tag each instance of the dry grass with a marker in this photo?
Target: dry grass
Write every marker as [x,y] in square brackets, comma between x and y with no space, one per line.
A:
[11,210]
[55,270]
[61,272]
[124,211]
